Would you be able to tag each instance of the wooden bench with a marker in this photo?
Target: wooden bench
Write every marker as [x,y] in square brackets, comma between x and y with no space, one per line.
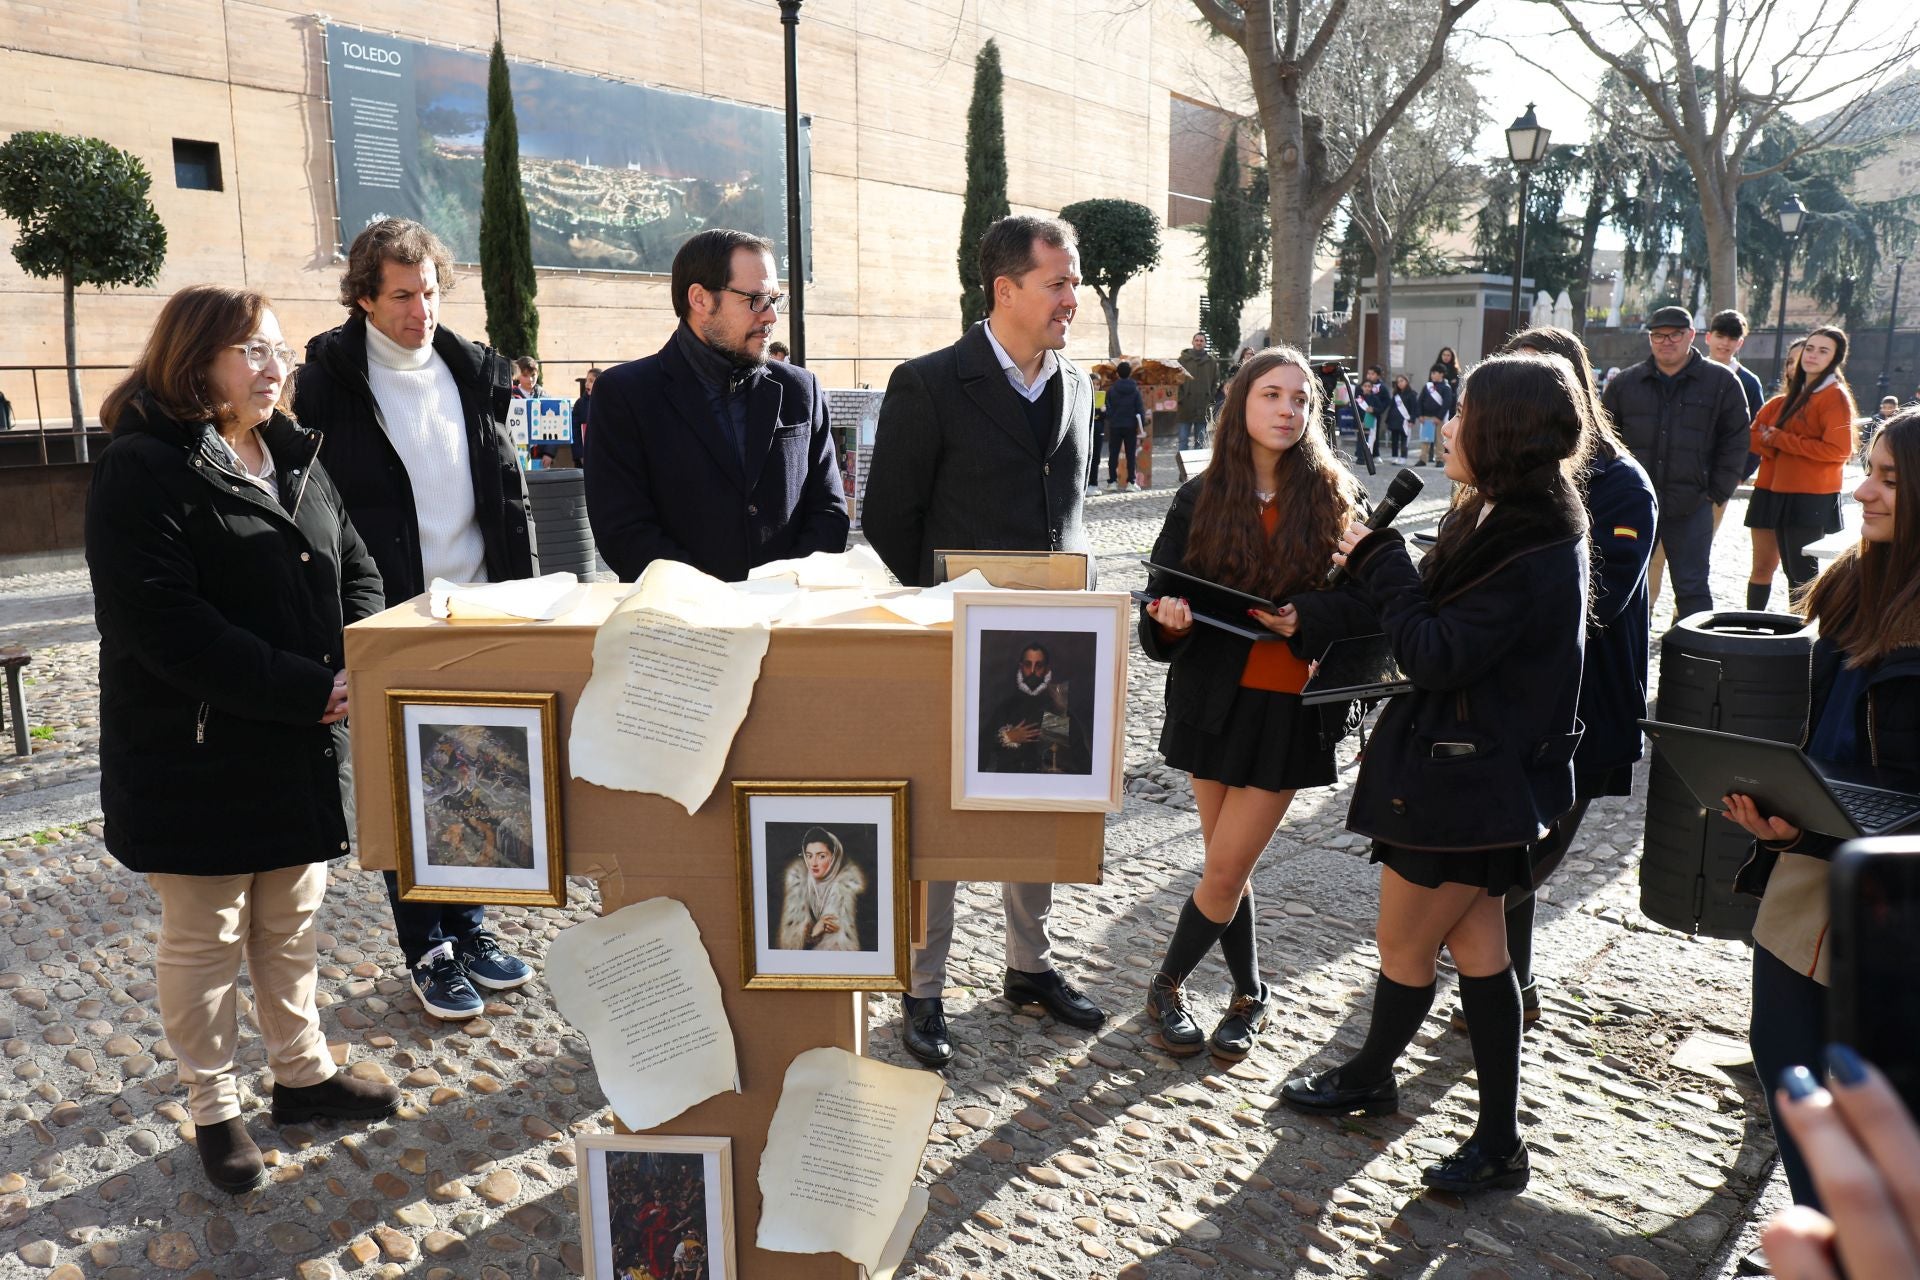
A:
[14,660]
[1192,462]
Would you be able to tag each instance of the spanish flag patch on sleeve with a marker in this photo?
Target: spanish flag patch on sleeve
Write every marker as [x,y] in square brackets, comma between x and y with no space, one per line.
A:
[1626,531]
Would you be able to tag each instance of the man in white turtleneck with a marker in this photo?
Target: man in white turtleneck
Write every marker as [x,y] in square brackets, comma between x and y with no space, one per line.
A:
[414,424]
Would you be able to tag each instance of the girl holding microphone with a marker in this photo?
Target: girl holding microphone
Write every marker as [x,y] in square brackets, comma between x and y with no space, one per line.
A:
[1471,767]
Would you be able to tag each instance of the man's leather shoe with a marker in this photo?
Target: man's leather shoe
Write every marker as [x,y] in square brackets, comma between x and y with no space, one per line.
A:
[1246,1017]
[339,1097]
[924,1030]
[1051,992]
[228,1155]
[1322,1094]
[1473,1168]
[1173,1027]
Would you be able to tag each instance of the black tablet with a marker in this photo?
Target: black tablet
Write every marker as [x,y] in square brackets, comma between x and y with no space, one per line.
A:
[1356,667]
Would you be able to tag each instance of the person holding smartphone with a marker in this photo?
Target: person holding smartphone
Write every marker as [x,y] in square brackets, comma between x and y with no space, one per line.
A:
[1472,766]
[1864,710]
[1262,519]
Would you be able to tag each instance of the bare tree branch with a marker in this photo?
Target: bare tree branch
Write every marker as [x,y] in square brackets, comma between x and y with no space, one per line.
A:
[1318,46]
[1223,23]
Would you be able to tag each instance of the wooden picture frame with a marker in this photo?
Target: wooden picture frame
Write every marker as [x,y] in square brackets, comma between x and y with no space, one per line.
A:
[1060,749]
[614,1168]
[1027,570]
[825,899]
[476,797]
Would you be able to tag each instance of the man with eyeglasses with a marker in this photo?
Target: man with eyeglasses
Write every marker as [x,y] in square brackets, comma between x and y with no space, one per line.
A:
[982,445]
[415,437]
[1685,419]
[705,452]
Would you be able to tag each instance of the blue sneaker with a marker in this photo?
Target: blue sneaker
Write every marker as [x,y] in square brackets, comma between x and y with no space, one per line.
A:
[442,985]
[489,966]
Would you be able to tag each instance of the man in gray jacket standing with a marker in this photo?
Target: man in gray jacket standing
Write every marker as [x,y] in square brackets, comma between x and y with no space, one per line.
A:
[983,446]
[1685,419]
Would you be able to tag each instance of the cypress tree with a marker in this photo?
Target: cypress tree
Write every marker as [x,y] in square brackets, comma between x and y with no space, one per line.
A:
[986,179]
[1230,246]
[506,240]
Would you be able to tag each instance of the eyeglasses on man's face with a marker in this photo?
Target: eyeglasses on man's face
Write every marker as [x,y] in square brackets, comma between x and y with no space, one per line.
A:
[1670,336]
[259,352]
[758,303]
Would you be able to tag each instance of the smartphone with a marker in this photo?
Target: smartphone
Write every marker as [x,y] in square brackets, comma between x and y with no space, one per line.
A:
[1874,1005]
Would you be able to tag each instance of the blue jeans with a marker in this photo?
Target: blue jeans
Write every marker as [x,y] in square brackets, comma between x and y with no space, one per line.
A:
[422,926]
[1193,435]
[1688,543]
[1788,1029]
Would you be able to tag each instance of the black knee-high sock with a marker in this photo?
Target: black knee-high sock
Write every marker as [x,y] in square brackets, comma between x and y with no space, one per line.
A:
[1397,1011]
[1757,593]
[1520,939]
[1241,950]
[1192,938]
[1492,1006]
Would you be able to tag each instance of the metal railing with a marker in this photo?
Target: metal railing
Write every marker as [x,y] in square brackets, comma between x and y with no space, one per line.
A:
[21,385]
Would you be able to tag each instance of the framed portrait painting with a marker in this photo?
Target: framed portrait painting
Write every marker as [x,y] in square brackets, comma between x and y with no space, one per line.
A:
[476,786]
[656,1206]
[1039,696]
[824,900]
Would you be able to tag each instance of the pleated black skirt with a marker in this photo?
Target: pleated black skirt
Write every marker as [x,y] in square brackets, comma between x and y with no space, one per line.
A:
[1495,870]
[1770,510]
[1270,741]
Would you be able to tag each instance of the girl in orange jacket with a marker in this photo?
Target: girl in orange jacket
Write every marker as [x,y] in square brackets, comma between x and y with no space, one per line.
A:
[1804,437]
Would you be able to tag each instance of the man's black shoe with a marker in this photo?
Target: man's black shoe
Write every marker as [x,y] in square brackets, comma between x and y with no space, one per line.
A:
[1322,1094]
[1473,1168]
[1050,991]
[1173,1027]
[923,1030]
[1246,1017]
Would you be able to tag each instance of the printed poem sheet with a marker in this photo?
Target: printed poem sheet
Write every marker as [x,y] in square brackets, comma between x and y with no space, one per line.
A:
[673,673]
[643,992]
[842,1153]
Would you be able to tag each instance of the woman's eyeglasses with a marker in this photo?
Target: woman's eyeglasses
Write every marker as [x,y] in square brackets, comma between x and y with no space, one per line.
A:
[260,351]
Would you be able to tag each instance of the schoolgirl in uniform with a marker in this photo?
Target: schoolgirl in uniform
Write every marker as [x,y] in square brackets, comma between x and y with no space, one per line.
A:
[1471,767]
[1263,519]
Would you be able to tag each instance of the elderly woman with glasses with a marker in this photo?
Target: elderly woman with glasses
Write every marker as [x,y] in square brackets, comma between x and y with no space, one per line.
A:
[224,569]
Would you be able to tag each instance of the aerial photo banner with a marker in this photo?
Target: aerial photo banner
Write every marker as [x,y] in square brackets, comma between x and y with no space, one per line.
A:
[617,175]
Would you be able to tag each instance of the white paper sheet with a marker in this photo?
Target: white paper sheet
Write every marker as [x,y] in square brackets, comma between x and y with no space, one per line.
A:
[859,567]
[638,984]
[901,1240]
[673,673]
[932,606]
[539,599]
[841,1154]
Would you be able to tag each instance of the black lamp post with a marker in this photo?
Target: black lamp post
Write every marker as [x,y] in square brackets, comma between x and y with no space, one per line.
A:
[1893,318]
[796,262]
[1526,147]
[1790,215]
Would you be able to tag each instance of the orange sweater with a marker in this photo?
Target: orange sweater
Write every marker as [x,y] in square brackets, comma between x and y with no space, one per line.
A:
[1271,665]
[1807,455]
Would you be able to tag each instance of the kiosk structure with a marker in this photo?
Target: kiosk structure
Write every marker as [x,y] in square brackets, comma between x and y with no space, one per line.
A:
[845,700]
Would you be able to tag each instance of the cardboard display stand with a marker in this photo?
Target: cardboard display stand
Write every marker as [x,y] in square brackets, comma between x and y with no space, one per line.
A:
[846,700]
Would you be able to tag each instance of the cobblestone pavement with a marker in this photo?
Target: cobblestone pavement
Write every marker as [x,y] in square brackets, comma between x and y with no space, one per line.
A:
[1055,1154]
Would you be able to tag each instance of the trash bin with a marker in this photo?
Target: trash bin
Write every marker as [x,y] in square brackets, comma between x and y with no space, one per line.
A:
[1738,672]
[562,534]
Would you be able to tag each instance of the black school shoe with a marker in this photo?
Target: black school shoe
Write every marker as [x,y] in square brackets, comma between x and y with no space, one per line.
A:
[923,1030]
[1246,1017]
[1322,1094]
[1172,1027]
[1052,992]
[1473,1168]
[229,1156]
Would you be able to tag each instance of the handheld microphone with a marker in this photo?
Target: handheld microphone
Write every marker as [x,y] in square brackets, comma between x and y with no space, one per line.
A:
[1405,488]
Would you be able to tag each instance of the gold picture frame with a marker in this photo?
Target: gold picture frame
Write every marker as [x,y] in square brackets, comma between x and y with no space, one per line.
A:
[1068,753]
[476,787]
[611,1164]
[810,907]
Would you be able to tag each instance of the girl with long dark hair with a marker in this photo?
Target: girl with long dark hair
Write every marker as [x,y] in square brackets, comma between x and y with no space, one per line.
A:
[1472,766]
[1804,437]
[1864,710]
[1262,519]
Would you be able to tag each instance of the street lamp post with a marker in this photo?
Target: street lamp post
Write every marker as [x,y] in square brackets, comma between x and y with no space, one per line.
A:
[1893,319]
[1790,215]
[1526,146]
[796,262]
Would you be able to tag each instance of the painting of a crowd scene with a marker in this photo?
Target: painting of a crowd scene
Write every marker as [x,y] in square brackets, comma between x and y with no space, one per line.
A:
[476,792]
[656,1208]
